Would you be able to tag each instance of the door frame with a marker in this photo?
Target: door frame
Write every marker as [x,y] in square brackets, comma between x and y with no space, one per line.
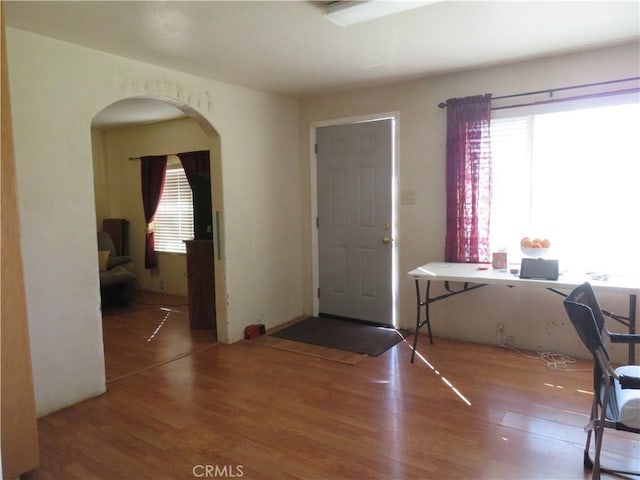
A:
[313,182]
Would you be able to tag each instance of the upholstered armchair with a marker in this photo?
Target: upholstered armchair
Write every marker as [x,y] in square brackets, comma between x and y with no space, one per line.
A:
[118,283]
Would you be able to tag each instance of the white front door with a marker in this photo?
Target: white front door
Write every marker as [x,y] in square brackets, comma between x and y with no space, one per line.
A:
[355,220]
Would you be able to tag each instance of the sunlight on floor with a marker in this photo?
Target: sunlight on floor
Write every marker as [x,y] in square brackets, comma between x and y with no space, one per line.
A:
[394,407]
[161,324]
[560,387]
[444,379]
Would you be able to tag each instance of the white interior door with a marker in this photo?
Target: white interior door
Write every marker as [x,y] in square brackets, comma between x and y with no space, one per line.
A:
[355,220]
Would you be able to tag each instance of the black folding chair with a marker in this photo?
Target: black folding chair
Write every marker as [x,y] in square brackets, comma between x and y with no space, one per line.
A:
[616,399]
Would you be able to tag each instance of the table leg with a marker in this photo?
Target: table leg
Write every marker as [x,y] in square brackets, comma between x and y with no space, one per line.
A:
[415,333]
[419,305]
[633,300]
[427,303]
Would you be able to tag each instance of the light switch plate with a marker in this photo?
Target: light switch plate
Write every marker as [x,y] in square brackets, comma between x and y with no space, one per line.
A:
[408,197]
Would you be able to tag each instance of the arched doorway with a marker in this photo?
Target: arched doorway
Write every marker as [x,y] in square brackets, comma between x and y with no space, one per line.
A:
[153,329]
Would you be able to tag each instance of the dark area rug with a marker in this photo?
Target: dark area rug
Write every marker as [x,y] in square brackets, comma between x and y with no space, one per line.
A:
[348,335]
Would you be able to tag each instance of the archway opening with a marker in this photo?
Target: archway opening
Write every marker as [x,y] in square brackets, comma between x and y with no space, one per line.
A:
[155,323]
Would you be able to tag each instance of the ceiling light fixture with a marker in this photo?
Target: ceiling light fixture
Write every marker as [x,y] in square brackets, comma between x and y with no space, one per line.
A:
[347,12]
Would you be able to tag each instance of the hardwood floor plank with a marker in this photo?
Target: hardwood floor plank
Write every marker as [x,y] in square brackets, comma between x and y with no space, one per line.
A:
[274,414]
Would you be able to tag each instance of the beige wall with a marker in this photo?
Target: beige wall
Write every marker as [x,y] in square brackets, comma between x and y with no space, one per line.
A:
[57,89]
[535,318]
[123,184]
[100,183]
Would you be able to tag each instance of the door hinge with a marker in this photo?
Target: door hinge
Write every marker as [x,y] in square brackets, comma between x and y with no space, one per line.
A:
[317,222]
[315,148]
[318,292]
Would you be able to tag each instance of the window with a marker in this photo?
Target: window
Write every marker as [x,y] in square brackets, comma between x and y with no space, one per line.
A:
[571,177]
[174,216]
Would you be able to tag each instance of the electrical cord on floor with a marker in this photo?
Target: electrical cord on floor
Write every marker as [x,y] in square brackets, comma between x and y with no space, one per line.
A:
[554,361]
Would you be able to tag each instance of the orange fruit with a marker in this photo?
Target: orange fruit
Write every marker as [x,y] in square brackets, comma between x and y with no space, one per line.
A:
[525,242]
[546,243]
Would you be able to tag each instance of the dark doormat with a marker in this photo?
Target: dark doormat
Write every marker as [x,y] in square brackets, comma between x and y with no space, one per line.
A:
[351,336]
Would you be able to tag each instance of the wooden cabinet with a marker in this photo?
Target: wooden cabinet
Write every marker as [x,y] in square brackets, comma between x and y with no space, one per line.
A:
[201,284]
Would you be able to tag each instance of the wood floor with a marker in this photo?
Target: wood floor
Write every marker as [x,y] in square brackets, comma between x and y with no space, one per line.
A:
[251,411]
[152,330]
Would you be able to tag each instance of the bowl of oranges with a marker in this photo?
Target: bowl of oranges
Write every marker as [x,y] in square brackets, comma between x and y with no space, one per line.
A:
[534,247]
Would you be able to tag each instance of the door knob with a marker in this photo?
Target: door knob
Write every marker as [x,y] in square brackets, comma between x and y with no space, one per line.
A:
[387,240]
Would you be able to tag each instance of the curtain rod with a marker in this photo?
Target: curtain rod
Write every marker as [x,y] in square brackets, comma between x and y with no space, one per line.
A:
[551,91]
[567,99]
[161,155]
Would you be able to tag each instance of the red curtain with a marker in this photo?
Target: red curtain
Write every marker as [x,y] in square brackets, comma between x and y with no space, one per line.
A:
[468,173]
[152,173]
[195,163]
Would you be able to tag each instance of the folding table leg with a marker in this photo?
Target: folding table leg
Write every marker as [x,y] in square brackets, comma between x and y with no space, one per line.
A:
[419,305]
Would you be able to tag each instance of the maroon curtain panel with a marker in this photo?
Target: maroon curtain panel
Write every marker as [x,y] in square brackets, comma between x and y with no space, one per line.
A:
[195,163]
[468,179]
[152,173]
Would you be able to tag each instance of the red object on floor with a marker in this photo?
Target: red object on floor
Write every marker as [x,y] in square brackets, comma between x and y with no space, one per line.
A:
[253,331]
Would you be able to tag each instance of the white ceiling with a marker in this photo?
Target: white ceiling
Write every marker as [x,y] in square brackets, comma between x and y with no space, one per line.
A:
[287,47]
[136,111]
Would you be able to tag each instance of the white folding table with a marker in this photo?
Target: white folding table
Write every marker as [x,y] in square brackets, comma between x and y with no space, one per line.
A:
[473,276]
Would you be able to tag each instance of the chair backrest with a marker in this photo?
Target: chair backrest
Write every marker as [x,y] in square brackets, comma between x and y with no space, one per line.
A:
[105,243]
[583,321]
[587,319]
[584,295]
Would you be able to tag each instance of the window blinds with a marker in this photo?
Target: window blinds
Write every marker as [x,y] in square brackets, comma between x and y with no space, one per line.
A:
[174,216]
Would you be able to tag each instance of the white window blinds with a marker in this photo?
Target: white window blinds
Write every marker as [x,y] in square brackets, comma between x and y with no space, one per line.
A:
[174,216]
